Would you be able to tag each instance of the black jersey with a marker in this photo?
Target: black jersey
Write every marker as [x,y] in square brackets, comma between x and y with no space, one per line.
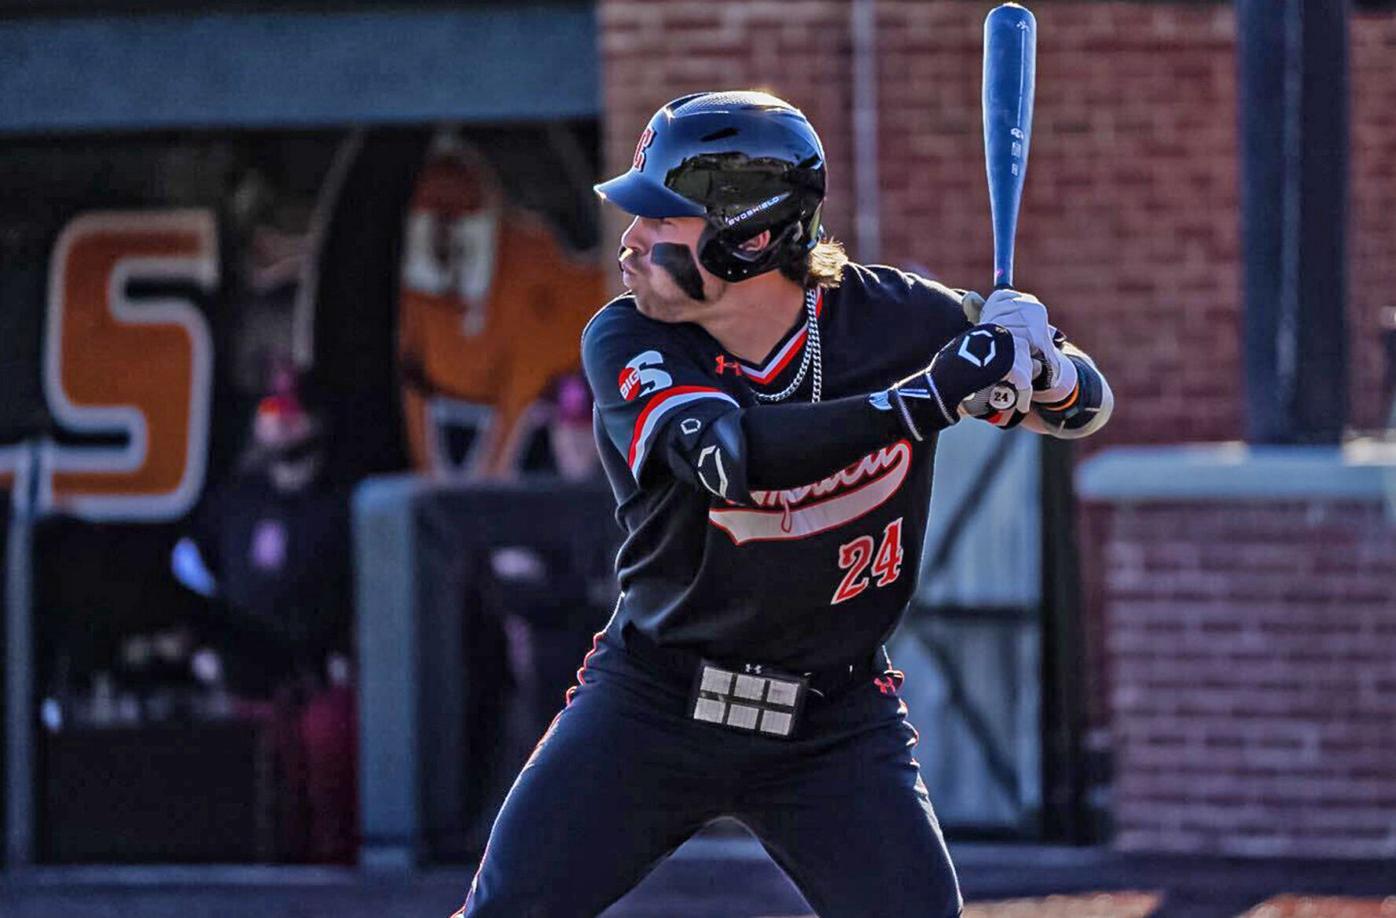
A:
[805,577]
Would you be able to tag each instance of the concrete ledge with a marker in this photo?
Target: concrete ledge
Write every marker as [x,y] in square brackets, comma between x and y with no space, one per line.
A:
[1361,470]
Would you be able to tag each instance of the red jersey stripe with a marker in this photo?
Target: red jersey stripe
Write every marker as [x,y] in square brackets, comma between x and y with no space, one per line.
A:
[638,436]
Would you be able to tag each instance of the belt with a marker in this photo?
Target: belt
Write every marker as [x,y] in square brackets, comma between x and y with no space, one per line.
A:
[684,664]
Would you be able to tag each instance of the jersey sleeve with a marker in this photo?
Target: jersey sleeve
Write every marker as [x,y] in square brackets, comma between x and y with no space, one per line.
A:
[939,308]
[649,389]
[928,313]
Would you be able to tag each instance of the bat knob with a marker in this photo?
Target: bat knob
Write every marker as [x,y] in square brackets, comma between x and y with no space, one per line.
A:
[998,397]
[1002,397]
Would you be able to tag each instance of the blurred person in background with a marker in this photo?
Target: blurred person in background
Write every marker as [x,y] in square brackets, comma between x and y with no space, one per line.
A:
[569,432]
[271,549]
[559,444]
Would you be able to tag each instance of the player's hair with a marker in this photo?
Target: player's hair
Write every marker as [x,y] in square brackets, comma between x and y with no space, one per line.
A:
[821,266]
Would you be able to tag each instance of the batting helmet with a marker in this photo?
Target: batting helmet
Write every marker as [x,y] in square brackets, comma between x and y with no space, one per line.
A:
[746,162]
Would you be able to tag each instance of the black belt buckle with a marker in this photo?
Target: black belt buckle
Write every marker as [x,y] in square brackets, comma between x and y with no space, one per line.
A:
[751,698]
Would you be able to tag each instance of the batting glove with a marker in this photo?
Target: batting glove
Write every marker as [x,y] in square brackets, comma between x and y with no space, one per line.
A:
[984,358]
[1024,315]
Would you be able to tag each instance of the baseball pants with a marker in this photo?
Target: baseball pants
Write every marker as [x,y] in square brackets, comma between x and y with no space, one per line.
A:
[624,776]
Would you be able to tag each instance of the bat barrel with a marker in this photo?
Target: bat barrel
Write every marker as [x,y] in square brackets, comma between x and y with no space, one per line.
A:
[1010,79]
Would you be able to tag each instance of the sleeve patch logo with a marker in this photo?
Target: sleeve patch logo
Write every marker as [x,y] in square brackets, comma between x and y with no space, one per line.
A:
[643,375]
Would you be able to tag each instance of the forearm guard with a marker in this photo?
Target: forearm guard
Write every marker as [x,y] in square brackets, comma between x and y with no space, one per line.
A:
[1082,412]
[770,447]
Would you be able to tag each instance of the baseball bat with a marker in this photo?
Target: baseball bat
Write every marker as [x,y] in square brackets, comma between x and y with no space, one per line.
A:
[1010,80]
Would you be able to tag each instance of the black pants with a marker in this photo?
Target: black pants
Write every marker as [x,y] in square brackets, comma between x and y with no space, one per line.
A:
[623,777]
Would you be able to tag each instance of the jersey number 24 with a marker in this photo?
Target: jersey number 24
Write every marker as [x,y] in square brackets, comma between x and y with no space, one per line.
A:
[855,556]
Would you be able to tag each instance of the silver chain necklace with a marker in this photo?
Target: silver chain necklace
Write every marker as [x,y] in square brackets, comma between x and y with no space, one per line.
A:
[812,357]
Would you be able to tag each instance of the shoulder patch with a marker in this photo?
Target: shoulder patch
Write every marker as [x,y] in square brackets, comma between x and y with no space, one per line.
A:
[643,375]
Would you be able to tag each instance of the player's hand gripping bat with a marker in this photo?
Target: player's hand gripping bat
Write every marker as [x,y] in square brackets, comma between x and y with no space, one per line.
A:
[1010,78]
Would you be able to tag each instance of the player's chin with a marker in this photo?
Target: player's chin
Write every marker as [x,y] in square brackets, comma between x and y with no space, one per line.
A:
[647,306]
[651,306]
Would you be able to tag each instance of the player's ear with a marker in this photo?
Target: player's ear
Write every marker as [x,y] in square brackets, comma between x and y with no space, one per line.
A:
[757,243]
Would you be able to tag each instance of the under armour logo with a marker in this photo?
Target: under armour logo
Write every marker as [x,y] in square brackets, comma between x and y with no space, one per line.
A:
[969,346]
[754,668]
[723,365]
[886,685]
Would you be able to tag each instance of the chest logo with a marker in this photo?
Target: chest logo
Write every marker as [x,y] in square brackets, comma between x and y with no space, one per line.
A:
[797,513]
[724,365]
[643,375]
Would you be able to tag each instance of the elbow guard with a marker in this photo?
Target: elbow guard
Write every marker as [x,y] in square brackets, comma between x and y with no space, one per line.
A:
[1085,410]
[711,453]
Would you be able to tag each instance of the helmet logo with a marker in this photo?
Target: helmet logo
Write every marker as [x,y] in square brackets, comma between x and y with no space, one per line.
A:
[647,138]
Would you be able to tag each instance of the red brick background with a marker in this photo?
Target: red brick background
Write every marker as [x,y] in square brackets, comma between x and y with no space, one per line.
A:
[1372,238]
[1130,227]
[1253,664]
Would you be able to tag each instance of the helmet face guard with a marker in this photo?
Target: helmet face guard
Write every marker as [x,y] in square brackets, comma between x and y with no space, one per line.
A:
[746,162]
[723,256]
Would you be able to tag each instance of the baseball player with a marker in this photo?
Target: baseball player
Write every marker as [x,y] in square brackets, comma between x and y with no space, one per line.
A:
[767,413]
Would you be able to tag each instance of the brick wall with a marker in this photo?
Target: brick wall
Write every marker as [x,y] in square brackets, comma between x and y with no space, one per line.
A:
[1252,652]
[1130,224]
[1372,243]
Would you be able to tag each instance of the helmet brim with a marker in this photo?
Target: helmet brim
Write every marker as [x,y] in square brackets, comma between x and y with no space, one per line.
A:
[637,194]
